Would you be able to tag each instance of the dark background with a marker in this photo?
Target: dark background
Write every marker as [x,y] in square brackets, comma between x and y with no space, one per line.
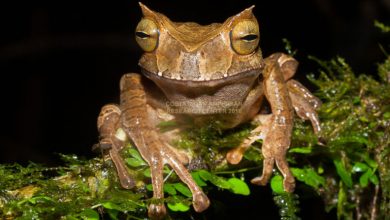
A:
[61,61]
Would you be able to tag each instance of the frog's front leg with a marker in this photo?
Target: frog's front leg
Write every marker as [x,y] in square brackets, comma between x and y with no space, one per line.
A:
[108,124]
[278,135]
[137,125]
[284,96]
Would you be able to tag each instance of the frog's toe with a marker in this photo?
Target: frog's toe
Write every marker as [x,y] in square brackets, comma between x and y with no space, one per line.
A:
[235,155]
[289,184]
[268,165]
[260,180]
[157,211]
[289,181]
[201,202]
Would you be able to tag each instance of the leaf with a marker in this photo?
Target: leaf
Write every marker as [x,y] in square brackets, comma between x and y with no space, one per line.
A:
[197,179]
[277,184]
[134,153]
[309,176]
[343,173]
[214,179]
[301,150]
[359,167]
[384,28]
[36,199]
[147,172]
[183,189]
[134,162]
[205,175]
[149,187]
[239,186]
[178,207]
[169,188]
[363,180]
[220,182]
[374,179]
[89,214]
[372,163]
[110,205]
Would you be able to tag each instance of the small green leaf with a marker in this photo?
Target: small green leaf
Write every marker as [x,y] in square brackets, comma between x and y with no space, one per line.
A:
[309,176]
[34,200]
[147,173]
[214,179]
[384,28]
[220,182]
[89,214]
[169,188]
[198,180]
[301,150]
[134,153]
[372,163]
[343,173]
[134,162]
[178,207]
[277,184]
[205,175]
[363,180]
[359,167]
[374,179]
[183,189]
[110,205]
[239,186]
[149,187]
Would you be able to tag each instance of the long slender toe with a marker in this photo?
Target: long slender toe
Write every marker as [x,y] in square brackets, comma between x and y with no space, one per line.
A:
[234,156]
[201,202]
[157,211]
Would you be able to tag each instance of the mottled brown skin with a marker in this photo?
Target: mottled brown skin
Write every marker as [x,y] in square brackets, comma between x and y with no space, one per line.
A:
[213,72]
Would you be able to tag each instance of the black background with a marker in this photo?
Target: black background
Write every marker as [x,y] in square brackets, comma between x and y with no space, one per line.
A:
[61,61]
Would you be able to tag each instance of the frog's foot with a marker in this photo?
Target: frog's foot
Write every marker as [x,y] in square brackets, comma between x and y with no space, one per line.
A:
[156,161]
[268,165]
[276,142]
[235,155]
[108,125]
[135,121]
[304,103]
[274,149]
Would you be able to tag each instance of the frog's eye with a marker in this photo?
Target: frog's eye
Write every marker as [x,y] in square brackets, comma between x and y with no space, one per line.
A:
[244,37]
[146,35]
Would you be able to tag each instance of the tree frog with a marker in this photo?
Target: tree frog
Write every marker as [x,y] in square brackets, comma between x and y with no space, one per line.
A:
[212,72]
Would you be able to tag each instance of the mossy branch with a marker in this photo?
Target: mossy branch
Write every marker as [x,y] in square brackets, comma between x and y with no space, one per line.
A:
[350,170]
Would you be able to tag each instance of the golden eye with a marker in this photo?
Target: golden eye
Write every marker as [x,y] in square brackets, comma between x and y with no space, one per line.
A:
[146,35]
[244,37]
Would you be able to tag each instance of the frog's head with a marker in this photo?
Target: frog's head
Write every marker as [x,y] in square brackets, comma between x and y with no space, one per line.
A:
[194,53]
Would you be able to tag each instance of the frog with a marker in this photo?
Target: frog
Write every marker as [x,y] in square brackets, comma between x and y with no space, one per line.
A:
[204,72]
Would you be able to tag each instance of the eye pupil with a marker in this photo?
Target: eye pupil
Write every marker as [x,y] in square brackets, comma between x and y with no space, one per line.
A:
[249,37]
[141,34]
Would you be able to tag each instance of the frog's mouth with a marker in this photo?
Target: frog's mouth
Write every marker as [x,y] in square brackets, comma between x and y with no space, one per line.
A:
[245,77]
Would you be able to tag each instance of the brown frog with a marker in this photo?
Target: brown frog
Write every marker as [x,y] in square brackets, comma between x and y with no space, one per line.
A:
[213,72]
